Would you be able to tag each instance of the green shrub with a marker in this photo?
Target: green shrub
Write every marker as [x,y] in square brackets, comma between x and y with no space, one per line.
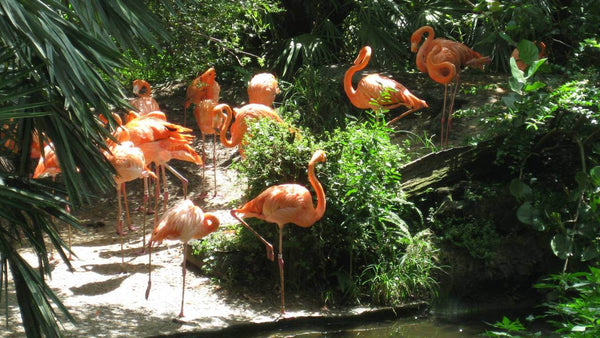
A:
[363,248]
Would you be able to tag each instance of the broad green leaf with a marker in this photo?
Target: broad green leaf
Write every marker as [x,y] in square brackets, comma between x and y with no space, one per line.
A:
[561,245]
[595,175]
[519,189]
[528,51]
[534,86]
[590,252]
[529,215]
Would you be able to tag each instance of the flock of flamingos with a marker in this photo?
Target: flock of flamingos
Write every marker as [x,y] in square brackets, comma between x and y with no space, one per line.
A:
[147,137]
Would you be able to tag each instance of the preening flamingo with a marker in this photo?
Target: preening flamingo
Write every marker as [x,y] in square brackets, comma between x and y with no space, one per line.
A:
[239,126]
[283,204]
[148,128]
[371,90]
[144,103]
[522,65]
[443,59]
[204,87]
[262,89]
[209,122]
[129,163]
[184,221]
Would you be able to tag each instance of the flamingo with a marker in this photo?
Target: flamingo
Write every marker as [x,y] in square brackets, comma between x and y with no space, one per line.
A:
[520,63]
[148,128]
[130,164]
[443,59]
[283,204]
[239,127]
[144,103]
[262,89]
[160,152]
[202,88]
[184,221]
[209,123]
[370,90]
[48,165]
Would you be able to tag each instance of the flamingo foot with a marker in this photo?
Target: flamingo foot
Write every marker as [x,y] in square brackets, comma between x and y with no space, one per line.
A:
[132,228]
[270,253]
[120,228]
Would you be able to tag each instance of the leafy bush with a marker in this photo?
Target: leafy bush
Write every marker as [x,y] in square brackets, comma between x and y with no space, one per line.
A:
[370,243]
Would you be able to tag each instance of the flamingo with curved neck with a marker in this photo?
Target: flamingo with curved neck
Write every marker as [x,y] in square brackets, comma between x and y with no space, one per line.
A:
[283,204]
[238,128]
[443,59]
[375,91]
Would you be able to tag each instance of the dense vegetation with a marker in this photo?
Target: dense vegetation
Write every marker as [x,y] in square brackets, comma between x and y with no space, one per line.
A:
[65,62]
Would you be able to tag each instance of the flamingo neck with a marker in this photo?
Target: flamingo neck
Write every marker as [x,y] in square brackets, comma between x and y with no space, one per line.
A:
[314,182]
[443,72]
[359,64]
[425,47]
[229,116]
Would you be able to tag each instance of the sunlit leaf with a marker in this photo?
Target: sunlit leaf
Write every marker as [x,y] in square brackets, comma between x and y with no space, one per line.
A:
[561,245]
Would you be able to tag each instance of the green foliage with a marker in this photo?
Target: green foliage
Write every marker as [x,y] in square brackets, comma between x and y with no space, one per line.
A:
[315,99]
[59,64]
[509,328]
[369,244]
[222,34]
[573,302]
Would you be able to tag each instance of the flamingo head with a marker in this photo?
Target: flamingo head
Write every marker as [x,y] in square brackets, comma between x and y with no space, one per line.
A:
[363,56]
[141,88]
[209,75]
[319,156]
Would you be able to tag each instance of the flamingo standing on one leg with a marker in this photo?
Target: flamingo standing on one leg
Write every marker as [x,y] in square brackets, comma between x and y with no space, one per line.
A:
[239,126]
[443,59]
[209,123]
[204,87]
[262,89]
[184,221]
[144,103]
[370,90]
[130,164]
[283,204]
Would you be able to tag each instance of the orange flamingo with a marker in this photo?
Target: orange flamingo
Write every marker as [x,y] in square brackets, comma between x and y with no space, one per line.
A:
[129,163]
[184,221]
[204,87]
[522,65]
[239,127]
[370,90]
[148,128]
[262,89]
[144,103]
[209,123]
[443,59]
[283,204]
[48,166]
[160,152]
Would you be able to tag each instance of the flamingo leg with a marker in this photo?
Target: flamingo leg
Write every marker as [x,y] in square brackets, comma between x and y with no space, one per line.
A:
[183,272]
[451,107]
[203,193]
[149,271]
[280,261]
[129,225]
[443,121]
[165,187]
[184,181]
[270,254]
[119,213]
[400,116]
[120,223]
[215,162]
